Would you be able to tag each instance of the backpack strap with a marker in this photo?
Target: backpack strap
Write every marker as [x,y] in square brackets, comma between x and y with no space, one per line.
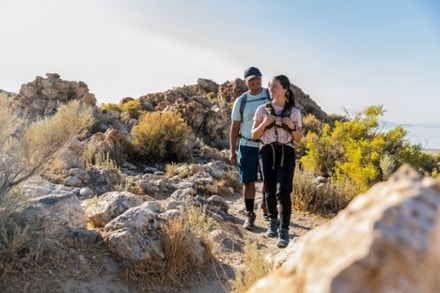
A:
[284,113]
[242,105]
[244,101]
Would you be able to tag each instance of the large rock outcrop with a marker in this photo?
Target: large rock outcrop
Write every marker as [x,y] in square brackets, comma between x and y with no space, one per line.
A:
[206,107]
[42,96]
[386,240]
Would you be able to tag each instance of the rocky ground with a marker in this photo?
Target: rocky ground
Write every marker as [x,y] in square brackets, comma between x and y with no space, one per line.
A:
[104,273]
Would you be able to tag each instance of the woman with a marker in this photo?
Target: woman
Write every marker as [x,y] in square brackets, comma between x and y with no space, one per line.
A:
[277,124]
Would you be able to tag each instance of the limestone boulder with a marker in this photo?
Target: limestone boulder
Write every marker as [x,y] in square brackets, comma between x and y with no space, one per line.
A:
[386,240]
[107,146]
[42,96]
[55,214]
[110,205]
[134,235]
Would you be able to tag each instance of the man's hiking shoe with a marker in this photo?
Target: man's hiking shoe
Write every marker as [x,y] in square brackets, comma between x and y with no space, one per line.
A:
[273,227]
[249,223]
[283,238]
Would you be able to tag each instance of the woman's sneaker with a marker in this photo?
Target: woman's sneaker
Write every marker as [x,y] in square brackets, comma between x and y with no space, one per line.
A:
[273,227]
[283,238]
[249,223]
[265,216]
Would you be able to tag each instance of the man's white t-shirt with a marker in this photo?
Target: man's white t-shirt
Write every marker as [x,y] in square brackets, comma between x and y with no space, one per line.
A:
[252,103]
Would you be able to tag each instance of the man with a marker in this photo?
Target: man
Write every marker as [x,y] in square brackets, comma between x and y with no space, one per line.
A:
[241,125]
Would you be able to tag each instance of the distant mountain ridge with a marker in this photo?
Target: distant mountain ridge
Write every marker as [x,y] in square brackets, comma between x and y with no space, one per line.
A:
[394,124]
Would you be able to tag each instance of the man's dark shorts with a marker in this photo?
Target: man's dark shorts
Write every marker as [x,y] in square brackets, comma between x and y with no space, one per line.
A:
[248,164]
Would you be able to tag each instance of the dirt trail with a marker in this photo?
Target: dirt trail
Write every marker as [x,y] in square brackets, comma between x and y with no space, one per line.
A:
[218,277]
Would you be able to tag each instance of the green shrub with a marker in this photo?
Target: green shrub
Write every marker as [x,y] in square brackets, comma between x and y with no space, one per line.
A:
[353,154]
[325,199]
[111,106]
[211,97]
[162,137]
[387,165]
[311,124]
[133,107]
[351,151]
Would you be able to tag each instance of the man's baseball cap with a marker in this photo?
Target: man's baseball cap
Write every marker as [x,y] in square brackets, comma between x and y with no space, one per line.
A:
[251,72]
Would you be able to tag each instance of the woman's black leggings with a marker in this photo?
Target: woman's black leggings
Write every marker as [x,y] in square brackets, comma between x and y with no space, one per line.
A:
[277,163]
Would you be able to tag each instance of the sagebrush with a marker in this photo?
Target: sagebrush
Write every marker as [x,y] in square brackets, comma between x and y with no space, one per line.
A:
[162,136]
[26,148]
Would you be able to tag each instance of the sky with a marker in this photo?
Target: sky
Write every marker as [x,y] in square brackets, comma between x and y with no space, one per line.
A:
[345,54]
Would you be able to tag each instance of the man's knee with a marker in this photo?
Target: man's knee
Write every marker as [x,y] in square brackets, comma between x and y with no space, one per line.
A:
[249,189]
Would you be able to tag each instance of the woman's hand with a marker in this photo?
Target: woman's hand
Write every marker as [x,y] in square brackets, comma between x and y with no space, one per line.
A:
[289,123]
[259,126]
[268,120]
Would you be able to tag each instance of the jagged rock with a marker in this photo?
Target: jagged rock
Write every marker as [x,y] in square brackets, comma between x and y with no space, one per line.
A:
[39,187]
[85,193]
[134,235]
[125,100]
[104,177]
[230,90]
[69,158]
[170,214]
[110,205]
[206,185]
[182,195]
[72,181]
[86,236]
[222,240]
[108,146]
[386,240]
[216,170]
[57,214]
[207,85]
[89,98]
[218,204]
[42,96]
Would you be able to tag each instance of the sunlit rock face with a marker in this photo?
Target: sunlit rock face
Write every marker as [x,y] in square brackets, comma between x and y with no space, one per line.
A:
[44,95]
[386,240]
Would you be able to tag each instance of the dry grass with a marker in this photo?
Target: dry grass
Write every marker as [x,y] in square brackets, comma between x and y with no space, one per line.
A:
[325,199]
[45,136]
[12,236]
[25,152]
[223,188]
[200,222]
[232,179]
[254,268]
[181,237]
[171,169]
[95,157]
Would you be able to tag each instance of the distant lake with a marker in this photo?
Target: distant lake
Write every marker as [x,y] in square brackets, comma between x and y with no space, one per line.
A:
[428,135]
